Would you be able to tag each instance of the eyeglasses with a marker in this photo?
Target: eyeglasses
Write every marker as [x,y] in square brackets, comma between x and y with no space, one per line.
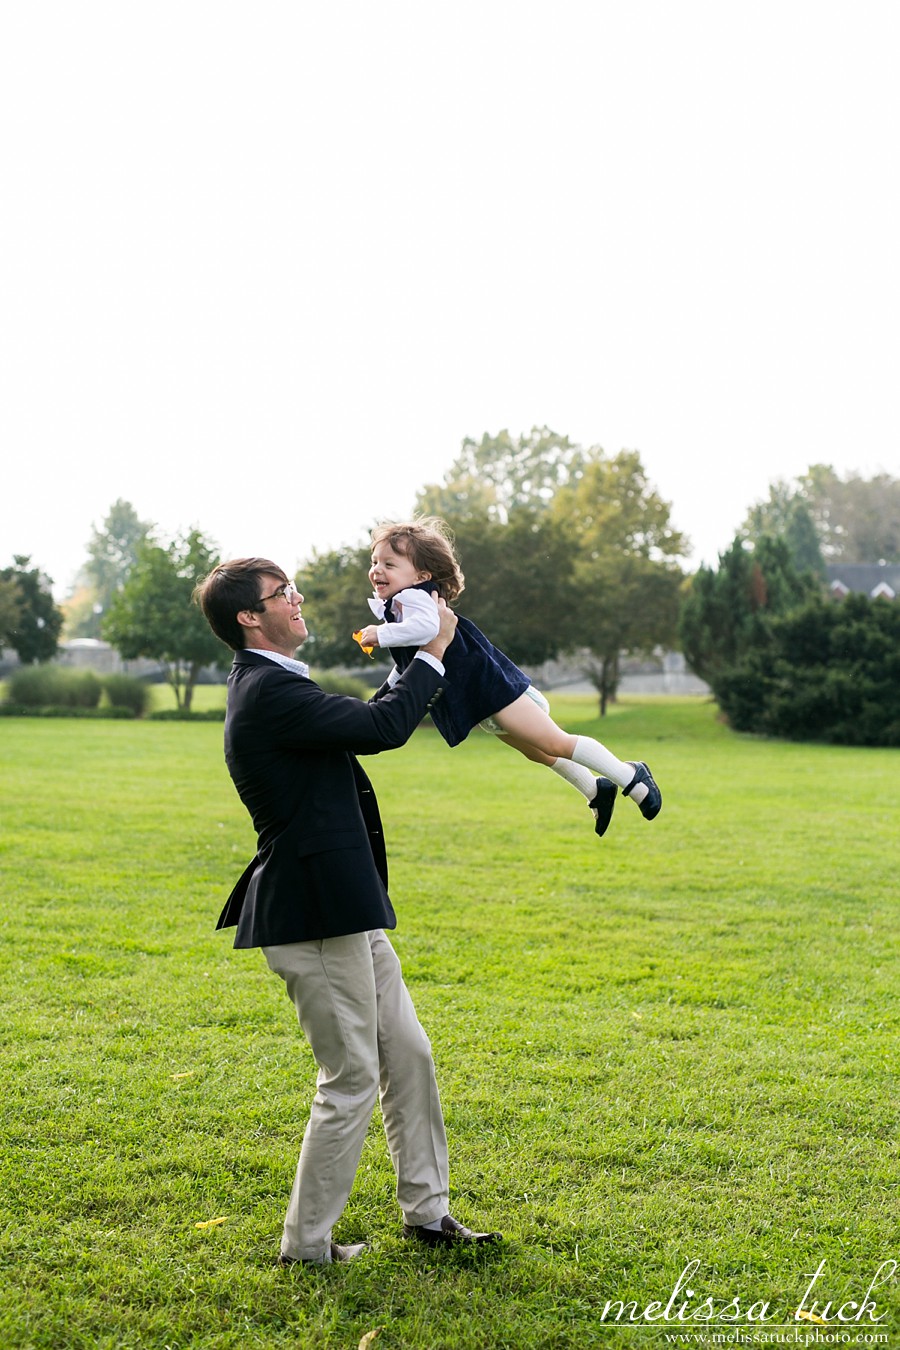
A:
[287,591]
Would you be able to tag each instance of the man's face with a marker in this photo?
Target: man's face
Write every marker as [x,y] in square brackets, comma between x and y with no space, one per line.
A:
[279,618]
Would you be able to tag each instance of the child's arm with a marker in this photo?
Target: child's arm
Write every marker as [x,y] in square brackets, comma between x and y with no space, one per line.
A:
[420,623]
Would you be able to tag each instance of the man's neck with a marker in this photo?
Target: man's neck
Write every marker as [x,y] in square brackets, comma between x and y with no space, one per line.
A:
[261,645]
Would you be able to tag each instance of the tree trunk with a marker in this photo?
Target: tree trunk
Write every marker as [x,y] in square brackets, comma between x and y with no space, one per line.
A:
[173,675]
[609,681]
[190,681]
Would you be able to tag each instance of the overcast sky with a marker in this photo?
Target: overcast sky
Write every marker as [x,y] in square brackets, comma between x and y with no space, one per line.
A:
[264,266]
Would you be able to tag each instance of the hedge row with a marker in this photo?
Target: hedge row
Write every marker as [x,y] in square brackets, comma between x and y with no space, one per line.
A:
[114,714]
[57,691]
[54,691]
[8,709]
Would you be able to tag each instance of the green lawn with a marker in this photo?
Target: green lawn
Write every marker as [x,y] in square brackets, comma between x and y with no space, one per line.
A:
[205,696]
[674,1045]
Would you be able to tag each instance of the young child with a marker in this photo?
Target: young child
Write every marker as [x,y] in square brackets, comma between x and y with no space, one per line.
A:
[411,561]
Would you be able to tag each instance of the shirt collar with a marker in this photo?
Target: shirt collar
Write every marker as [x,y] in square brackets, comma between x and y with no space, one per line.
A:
[288,662]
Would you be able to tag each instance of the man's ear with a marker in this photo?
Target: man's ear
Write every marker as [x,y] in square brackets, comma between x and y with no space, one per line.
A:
[247,618]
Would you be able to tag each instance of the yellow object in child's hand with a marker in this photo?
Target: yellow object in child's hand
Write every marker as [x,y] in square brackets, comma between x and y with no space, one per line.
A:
[357,637]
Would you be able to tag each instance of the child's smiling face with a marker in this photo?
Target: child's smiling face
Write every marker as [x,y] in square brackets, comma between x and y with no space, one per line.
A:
[392,572]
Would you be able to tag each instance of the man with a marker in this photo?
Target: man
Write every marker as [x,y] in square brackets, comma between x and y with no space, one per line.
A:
[315,900]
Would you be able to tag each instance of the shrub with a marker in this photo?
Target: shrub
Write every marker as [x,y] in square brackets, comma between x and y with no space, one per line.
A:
[53,686]
[31,686]
[126,691]
[828,672]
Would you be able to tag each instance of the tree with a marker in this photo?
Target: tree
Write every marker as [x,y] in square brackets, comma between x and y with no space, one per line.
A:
[10,609]
[335,589]
[153,615]
[81,610]
[525,510]
[786,516]
[726,610]
[112,553]
[625,577]
[499,473]
[518,582]
[854,519]
[37,624]
[523,558]
[516,555]
[857,519]
[562,549]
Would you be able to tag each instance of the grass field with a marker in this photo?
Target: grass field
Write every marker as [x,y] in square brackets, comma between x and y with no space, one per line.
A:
[675,1045]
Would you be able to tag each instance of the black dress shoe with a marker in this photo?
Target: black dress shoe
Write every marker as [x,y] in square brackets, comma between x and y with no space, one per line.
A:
[448,1235]
[603,803]
[652,804]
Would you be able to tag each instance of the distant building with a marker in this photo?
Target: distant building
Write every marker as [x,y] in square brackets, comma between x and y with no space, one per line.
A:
[663,673]
[879,581]
[92,654]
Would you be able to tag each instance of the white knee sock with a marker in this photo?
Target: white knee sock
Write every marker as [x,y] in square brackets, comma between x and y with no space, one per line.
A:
[580,777]
[597,758]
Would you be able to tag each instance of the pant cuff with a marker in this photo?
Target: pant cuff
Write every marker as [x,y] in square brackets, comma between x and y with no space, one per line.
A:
[427,1215]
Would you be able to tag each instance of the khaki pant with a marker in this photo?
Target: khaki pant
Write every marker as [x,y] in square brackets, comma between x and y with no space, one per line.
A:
[367,1041]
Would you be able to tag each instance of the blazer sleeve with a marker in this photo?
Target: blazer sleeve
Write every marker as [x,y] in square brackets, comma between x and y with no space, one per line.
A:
[306,718]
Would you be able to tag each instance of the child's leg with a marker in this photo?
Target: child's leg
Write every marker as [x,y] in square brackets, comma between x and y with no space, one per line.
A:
[600,793]
[525,723]
[580,777]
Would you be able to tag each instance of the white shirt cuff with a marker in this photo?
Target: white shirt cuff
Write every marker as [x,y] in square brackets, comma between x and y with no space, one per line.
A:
[432,661]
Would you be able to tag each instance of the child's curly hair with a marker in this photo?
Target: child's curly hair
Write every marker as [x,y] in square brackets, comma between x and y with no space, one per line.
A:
[427,542]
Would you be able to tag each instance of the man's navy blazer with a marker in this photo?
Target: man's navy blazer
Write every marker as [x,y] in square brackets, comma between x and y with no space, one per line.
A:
[320,869]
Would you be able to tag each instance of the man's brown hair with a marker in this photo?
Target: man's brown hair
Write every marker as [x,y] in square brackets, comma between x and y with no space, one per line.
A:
[427,542]
[229,588]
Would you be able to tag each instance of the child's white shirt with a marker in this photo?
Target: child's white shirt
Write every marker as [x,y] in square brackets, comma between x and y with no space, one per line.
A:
[417,619]
[418,623]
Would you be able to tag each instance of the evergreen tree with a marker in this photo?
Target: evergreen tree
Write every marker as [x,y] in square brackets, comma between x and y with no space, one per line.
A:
[34,620]
[726,609]
[10,609]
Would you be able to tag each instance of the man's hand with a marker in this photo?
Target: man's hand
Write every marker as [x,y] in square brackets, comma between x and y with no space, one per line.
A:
[438,645]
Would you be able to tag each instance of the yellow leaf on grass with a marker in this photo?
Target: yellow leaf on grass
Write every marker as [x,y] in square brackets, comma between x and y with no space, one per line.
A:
[212,1223]
[810,1317]
[190,1074]
[369,1338]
